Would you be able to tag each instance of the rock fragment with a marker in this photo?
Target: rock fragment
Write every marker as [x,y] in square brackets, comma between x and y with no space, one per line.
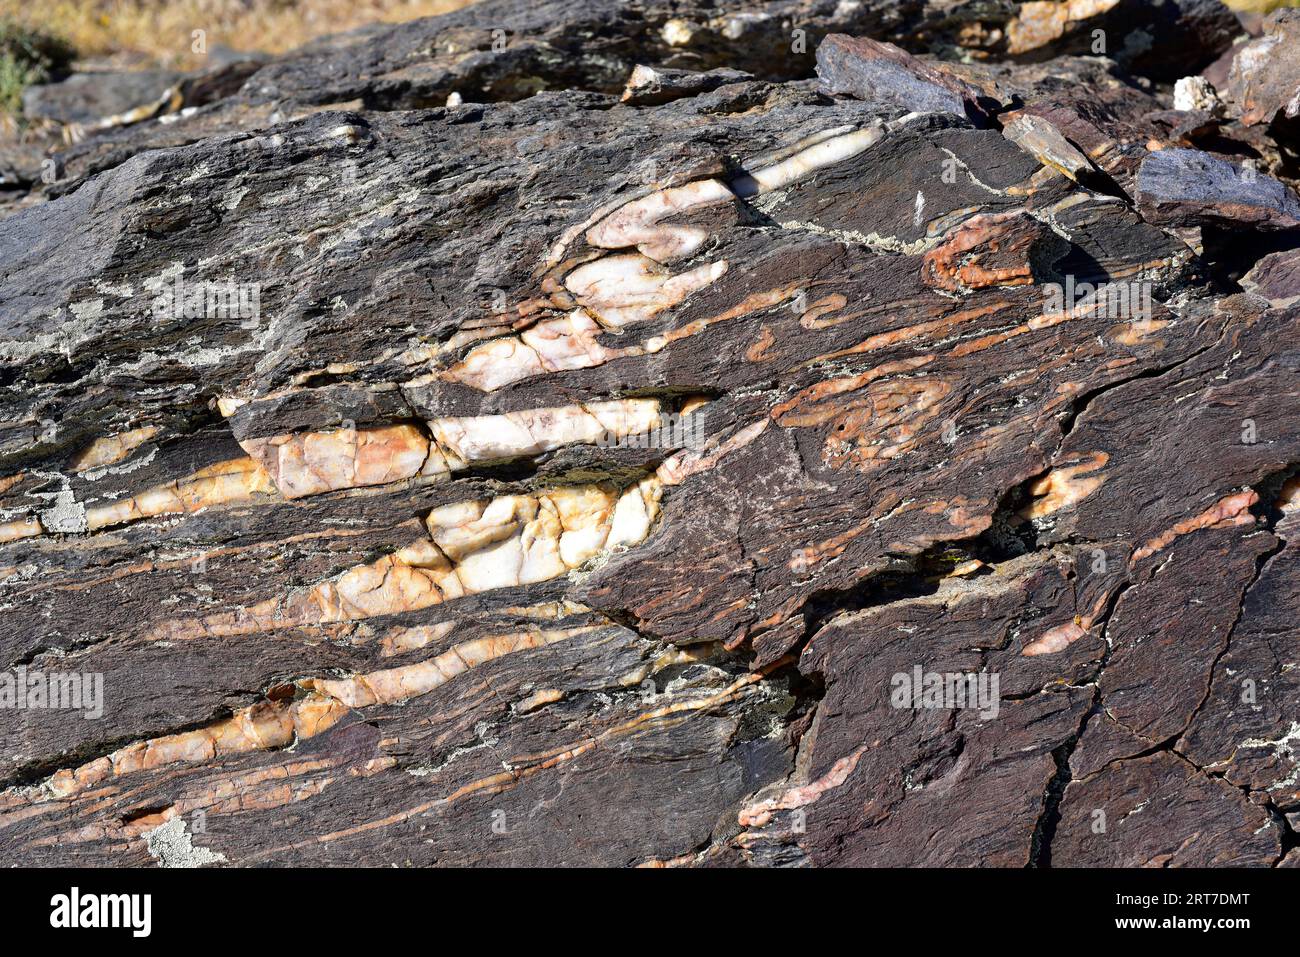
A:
[1038,136]
[1183,187]
[885,76]
[1276,277]
[650,86]
[1195,94]
[1264,80]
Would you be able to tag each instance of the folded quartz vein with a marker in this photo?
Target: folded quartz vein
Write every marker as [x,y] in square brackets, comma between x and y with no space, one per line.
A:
[618,290]
[314,462]
[473,546]
[323,703]
[987,516]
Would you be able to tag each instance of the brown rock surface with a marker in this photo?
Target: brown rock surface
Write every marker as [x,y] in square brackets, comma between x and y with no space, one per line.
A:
[656,455]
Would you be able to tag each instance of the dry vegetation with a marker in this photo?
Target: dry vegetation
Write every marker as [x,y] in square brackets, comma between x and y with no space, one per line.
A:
[158,32]
[145,33]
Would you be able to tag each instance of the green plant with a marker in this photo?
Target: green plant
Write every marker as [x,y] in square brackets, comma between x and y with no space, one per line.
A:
[27,56]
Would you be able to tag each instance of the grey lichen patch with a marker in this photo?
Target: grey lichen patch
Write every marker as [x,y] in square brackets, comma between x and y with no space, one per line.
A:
[171,846]
[65,514]
[873,241]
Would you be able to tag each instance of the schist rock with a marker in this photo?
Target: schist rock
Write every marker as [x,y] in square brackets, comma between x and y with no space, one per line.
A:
[86,97]
[1276,277]
[1189,187]
[1039,137]
[1264,79]
[649,86]
[671,449]
[887,77]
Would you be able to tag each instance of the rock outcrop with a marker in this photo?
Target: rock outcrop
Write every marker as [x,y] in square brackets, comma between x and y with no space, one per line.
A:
[663,434]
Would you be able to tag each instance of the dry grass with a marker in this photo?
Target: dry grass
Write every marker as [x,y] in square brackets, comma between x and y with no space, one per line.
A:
[146,33]
[1261,6]
[159,33]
